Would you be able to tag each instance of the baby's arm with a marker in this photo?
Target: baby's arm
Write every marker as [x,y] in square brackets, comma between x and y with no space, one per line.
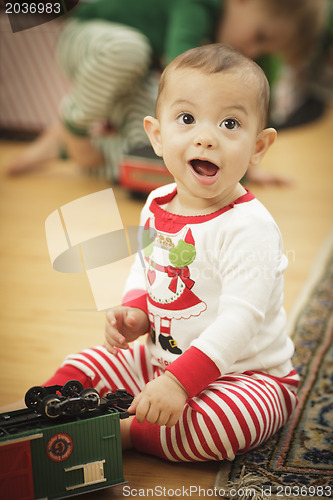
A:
[123,325]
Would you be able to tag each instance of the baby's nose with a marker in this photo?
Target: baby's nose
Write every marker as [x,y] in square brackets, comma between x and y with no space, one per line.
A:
[206,139]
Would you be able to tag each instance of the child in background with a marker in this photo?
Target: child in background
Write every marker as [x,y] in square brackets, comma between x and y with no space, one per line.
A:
[111,50]
[214,377]
[305,86]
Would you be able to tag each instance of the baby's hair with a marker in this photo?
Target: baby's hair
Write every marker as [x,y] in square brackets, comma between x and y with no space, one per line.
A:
[217,58]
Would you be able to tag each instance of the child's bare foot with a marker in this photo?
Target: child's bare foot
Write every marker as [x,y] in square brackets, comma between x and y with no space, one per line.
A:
[47,147]
[125,432]
[81,150]
[43,149]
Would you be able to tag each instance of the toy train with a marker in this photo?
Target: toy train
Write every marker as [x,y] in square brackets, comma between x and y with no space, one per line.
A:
[66,442]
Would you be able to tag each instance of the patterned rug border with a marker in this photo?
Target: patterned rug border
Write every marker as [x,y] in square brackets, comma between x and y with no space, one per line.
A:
[287,432]
[323,262]
[278,449]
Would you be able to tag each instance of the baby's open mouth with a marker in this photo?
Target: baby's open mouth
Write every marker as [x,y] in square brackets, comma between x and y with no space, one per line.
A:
[204,167]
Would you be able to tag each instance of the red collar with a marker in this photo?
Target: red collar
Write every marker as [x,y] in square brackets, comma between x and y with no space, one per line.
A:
[172,223]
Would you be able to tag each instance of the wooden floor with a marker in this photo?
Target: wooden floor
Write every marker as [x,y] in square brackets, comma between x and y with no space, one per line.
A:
[46,315]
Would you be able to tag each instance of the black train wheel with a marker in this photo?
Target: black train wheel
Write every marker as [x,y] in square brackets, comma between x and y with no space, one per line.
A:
[50,406]
[91,397]
[34,397]
[72,388]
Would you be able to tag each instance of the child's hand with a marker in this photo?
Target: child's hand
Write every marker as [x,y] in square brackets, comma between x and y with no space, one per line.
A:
[161,402]
[123,325]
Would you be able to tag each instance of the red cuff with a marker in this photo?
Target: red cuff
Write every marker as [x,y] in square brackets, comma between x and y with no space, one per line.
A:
[136,298]
[194,370]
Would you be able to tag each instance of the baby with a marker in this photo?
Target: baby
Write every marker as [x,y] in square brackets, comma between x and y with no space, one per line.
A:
[214,377]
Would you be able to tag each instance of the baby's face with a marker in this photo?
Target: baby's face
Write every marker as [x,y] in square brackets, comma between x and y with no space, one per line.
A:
[253,30]
[208,128]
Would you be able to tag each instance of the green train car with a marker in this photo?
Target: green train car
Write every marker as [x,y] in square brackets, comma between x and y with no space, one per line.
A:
[60,457]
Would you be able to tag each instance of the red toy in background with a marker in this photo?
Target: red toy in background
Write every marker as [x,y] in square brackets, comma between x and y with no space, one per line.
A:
[141,171]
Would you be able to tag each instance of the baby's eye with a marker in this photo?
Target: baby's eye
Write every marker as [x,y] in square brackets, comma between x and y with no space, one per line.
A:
[186,118]
[230,124]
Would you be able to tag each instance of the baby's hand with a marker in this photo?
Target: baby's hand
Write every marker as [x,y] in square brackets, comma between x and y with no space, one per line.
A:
[161,402]
[123,325]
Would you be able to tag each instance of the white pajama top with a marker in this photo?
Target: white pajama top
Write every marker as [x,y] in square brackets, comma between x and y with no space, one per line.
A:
[212,286]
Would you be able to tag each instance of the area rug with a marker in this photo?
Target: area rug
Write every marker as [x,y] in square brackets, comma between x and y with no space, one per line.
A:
[298,461]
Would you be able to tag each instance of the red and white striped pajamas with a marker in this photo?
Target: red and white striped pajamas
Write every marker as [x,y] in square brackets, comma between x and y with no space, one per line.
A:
[233,414]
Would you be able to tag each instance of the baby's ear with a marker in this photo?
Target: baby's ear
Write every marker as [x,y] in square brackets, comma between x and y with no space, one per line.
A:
[152,128]
[264,140]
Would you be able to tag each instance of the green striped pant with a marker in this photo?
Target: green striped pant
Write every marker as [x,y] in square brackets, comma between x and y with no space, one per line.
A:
[109,67]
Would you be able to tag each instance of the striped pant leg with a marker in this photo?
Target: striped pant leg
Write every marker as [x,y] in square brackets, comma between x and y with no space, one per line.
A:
[141,104]
[131,369]
[133,108]
[105,62]
[234,414]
